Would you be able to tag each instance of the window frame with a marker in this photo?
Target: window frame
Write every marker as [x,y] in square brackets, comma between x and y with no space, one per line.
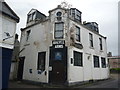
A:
[76,61]
[62,30]
[96,61]
[28,34]
[100,44]
[91,39]
[77,35]
[31,17]
[40,63]
[103,62]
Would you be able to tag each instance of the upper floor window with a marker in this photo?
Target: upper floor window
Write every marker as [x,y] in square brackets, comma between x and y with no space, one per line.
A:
[77,34]
[28,35]
[96,61]
[78,59]
[91,39]
[59,33]
[103,62]
[78,15]
[100,41]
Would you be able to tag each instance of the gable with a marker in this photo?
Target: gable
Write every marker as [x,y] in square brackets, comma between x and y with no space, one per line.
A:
[31,11]
[6,10]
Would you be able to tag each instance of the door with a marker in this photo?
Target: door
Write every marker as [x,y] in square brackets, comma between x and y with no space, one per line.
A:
[58,63]
[20,68]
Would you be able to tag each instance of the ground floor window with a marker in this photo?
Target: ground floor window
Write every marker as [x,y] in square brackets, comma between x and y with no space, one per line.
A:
[78,58]
[96,61]
[41,61]
[103,62]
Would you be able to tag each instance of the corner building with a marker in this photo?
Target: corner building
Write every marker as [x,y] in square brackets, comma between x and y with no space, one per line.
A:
[59,48]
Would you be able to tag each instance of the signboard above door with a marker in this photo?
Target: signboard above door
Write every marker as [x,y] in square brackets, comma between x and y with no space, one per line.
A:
[58,42]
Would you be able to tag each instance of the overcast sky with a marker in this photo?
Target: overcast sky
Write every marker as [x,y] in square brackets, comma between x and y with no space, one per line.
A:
[104,12]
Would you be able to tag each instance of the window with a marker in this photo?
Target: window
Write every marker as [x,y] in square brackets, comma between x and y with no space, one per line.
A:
[100,40]
[59,14]
[77,34]
[78,15]
[28,35]
[41,61]
[58,56]
[59,30]
[78,59]
[91,39]
[103,62]
[31,17]
[96,61]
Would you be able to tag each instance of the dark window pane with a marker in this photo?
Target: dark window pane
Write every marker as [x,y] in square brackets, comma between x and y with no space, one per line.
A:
[41,61]
[103,62]
[91,39]
[28,34]
[77,34]
[100,41]
[77,59]
[96,61]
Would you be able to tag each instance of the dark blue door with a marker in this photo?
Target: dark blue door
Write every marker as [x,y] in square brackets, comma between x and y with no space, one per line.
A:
[6,63]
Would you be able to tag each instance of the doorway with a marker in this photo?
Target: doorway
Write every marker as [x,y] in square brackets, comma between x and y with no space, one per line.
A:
[20,68]
[58,63]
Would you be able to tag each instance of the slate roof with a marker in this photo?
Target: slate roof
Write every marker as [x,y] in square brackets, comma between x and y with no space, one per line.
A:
[6,10]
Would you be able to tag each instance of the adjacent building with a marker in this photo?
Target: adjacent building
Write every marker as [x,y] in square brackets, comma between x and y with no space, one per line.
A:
[59,48]
[8,21]
[114,61]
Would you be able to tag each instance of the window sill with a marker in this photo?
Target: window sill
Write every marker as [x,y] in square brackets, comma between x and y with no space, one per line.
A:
[91,47]
[101,50]
[78,42]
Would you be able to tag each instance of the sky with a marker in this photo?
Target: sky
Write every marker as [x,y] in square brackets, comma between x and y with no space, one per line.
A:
[104,12]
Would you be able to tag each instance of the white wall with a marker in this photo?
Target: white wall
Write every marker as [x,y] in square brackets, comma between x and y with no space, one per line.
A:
[8,25]
[87,72]
[37,42]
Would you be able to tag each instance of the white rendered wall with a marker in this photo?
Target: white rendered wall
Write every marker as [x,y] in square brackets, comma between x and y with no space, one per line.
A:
[37,42]
[8,25]
[87,72]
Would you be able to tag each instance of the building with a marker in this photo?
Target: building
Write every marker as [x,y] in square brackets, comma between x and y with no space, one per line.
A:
[8,21]
[15,59]
[114,61]
[59,48]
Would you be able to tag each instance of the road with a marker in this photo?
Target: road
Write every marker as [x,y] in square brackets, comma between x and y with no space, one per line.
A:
[114,82]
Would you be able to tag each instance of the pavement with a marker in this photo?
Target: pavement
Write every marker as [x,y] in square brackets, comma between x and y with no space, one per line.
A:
[113,82]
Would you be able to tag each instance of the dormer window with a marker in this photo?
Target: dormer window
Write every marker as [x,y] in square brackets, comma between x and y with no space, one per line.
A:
[31,17]
[75,14]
